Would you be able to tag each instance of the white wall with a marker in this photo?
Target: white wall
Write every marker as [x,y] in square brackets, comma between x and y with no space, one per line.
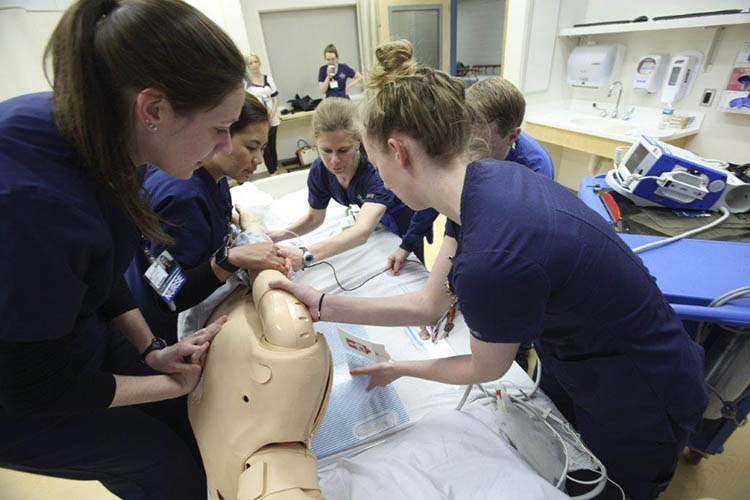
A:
[479,31]
[604,10]
[228,15]
[23,36]
[723,135]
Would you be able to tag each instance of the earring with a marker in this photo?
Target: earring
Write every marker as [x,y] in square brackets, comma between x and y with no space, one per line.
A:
[151,125]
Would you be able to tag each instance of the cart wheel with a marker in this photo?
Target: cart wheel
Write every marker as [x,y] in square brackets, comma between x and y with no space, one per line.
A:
[693,457]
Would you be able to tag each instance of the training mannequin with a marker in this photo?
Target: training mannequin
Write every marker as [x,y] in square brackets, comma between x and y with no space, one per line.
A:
[264,391]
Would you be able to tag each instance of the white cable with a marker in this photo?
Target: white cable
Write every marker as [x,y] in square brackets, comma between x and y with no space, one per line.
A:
[464,397]
[720,301]
[523,401]
[295,234]
[538,377]
[654,244]
[721,163]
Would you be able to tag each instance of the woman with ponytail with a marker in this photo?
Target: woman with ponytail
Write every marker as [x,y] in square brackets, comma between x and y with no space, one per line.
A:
[531,262]
[86,390]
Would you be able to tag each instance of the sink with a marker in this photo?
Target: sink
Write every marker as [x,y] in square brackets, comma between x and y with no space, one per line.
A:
[607,125]
[581,116]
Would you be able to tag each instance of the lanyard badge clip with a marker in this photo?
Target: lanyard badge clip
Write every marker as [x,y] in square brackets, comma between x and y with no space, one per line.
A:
[445,324]
[165,276]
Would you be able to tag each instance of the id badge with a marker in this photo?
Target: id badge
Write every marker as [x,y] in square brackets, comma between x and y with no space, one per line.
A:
[165,276]
[334,84]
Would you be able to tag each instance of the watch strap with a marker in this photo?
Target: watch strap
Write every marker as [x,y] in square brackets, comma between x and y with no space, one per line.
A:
[155,345]
[221,257]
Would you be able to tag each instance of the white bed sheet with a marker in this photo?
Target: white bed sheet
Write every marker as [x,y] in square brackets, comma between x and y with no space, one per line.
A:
[443,453]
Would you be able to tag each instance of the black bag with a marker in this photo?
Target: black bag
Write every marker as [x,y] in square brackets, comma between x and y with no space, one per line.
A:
[306,103]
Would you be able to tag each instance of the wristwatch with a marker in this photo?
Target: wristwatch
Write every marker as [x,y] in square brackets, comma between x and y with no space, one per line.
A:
[307,257]
[155,345]
[221,256]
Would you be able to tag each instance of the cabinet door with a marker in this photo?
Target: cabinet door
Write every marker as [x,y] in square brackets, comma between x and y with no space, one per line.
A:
[425,23]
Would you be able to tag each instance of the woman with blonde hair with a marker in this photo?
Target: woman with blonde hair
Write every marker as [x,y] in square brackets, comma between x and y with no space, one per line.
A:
[531,262]
[344,174]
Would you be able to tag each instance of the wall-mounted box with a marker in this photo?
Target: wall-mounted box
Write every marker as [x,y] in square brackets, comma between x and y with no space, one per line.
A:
[594,66]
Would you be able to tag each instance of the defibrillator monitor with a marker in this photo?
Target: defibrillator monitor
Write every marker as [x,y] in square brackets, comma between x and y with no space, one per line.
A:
[654,173]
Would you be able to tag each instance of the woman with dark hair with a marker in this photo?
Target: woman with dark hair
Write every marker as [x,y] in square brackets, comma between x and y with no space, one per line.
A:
[197,214]
[78,363]
[264,88]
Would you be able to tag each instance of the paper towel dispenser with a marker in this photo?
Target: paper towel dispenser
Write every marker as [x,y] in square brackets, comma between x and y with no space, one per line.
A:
[594,65]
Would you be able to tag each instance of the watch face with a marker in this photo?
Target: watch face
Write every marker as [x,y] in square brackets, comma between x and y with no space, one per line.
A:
[221,254]
[159,343]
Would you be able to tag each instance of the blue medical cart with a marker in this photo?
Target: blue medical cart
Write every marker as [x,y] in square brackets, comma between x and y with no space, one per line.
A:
[691,274]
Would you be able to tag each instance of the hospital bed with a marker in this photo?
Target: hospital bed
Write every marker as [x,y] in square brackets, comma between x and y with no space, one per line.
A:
[407,440]
[716,266]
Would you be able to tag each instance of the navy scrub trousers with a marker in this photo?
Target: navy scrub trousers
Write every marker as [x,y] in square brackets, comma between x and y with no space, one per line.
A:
[142,452]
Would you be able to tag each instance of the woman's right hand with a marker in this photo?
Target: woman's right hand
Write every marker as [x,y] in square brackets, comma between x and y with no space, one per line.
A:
[187,380]
[191,368]
[258,256]
[306,294]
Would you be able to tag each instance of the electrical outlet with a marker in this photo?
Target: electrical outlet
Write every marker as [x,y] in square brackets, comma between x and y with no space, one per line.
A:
[708,97]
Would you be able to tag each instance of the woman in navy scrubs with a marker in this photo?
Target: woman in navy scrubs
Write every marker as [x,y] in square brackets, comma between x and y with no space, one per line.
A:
[196,214]
[531,262]
[498,108]
[335,78]
[86,392]
[341,172]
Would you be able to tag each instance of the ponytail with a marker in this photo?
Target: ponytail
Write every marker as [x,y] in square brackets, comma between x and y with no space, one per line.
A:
[104,52]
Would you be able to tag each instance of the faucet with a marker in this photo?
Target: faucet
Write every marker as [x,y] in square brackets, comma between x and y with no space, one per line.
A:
[619,96]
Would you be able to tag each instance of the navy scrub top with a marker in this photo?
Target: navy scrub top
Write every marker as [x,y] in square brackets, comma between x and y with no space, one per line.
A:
[196,212]
[528,152]
[367,187]
[533,263]
[65,243]
[343,73]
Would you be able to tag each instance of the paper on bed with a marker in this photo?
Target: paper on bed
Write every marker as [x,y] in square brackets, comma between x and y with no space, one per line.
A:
[363,347]
[353,415]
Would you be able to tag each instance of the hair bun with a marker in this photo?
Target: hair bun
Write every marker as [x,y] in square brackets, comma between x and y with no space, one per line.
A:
[395,59]
[397,56]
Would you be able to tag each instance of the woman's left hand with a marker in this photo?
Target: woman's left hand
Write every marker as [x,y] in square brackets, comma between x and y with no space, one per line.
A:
[397,260]
[178,357]
[381,374]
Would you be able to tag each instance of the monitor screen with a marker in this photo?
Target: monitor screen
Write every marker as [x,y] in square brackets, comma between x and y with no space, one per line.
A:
[636,158]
